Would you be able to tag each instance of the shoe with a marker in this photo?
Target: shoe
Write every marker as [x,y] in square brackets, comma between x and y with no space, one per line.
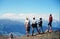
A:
[50,31]
[32,34]
[27,35]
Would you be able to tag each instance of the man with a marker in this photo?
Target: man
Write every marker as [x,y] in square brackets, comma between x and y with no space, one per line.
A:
[27,25]
[34,25]
[50,23]
[40,24]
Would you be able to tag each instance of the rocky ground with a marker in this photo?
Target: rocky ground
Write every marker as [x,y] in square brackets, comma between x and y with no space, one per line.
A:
[53,35]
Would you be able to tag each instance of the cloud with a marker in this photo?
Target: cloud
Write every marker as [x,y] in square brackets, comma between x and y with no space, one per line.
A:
[9,16]
[30,16]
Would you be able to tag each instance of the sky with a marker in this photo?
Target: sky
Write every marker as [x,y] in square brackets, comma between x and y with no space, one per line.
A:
[40,8]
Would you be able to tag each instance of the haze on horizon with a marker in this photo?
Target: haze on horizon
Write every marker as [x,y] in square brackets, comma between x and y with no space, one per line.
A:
[18,9]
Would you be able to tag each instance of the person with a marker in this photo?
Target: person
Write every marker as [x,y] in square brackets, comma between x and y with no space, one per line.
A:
[34,25]
[27,25]
[11,36]
[50,23]
[40,25]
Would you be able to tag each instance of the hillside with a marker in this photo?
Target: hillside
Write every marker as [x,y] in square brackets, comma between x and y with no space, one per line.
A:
[53,35]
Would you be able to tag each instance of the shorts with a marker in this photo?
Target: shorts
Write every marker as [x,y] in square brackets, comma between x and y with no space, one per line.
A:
[50,23]
[28,29]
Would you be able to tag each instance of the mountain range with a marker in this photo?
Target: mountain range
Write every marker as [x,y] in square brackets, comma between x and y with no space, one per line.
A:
[17,27]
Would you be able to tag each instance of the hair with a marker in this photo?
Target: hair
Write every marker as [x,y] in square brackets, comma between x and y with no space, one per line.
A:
[34,18]
[50,14]
[26,18]
[40,18]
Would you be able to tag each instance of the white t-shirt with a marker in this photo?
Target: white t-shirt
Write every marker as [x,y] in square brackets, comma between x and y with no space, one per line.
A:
[27,23]
[34,21]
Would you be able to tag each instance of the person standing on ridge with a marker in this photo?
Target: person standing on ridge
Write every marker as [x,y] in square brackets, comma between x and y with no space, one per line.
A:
[40,25]
[11,36]
[50,23]
[34,25]
[27,25]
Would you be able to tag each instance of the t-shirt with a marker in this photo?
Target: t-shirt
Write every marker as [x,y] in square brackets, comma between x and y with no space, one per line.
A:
[40,22]
[27,23]
[34,21]
[50,19]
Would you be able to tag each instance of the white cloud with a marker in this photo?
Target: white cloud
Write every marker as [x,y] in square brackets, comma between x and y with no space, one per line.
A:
[9,16]
[23,16]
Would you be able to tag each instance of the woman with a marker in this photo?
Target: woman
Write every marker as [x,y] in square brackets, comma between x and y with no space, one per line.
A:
[27,25]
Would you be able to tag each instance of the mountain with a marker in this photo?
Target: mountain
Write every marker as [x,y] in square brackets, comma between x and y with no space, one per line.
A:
[7,26]
[17,27]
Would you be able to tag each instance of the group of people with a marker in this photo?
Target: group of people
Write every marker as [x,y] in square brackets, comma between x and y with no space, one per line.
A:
[34,25]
